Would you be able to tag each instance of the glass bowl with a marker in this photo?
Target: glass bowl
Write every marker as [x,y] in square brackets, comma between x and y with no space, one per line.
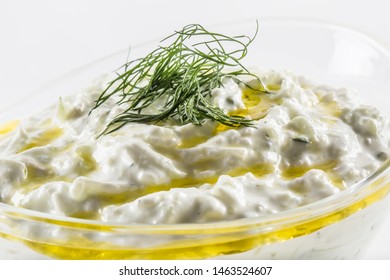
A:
[338,227]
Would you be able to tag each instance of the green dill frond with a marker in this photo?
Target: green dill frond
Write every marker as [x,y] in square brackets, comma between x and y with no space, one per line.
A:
[181,72]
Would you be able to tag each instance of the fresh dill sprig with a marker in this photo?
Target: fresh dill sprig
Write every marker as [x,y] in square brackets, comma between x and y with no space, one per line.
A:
[303,140]
[181,73]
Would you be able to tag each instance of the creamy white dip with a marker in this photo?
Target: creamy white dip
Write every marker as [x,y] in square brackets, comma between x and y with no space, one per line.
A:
[307,142]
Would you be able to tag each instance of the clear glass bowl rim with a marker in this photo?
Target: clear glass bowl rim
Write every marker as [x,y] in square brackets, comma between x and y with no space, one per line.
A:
[319,208]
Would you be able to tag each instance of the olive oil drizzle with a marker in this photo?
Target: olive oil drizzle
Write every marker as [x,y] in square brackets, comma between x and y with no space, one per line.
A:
[9,127]
[45,137]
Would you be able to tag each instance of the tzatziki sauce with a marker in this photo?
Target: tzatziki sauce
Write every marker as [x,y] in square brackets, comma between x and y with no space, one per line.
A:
[306,142]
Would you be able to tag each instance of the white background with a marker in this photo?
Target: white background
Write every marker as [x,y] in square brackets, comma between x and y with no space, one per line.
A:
[40,40]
